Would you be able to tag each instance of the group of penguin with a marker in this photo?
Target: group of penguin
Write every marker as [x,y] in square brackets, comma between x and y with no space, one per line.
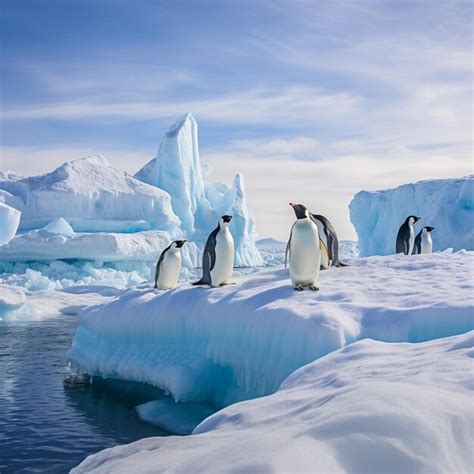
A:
[312,246]
[408,244]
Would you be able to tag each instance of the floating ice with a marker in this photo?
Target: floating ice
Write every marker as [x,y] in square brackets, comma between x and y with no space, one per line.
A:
[198,204]
[241,341]
[9,221]
[92,196]
[11,298]
[178,418]
[370,407]
[446,204]
[59,226]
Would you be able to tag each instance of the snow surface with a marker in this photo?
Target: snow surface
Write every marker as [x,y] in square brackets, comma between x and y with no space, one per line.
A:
[446,204]
[371,407]
[199,205]
[241,341]
[92,196]
[9,221]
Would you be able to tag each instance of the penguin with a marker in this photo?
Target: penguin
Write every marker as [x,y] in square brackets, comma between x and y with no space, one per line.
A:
[406,236]
[303,251]
[423,242]
[168,266]
[328,241]
[218,257]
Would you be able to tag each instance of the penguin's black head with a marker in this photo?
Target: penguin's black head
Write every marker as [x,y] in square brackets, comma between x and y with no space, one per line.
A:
[412,219]
[179,243]
[300,210]
[226,218]
[429,228]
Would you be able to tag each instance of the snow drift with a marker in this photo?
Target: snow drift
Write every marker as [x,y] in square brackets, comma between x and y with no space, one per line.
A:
[446,204]
[370,407]
[241,341]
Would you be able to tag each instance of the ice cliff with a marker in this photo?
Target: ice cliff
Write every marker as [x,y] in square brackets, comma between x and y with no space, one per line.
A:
[446,204]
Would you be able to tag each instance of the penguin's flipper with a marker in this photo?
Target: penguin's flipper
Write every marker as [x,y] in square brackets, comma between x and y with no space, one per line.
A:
[208,258]
[158,265]
[287,250]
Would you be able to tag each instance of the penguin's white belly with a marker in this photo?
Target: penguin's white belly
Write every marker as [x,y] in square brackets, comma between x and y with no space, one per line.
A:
[169,271]
[426,244]
[411,240]
[224,265]
[305,255]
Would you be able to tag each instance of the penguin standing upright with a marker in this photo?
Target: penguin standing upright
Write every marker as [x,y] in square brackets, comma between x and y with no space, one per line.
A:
[218,256]
[423,242]
[303,251]
[169,266]
[329,242]
[406,236]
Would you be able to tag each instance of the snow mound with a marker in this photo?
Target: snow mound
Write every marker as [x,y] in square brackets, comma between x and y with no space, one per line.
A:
[241,341]
[370,407]
[59,226]
[45,246]
[92,196]
[177,170]
[9,221]
[446,204]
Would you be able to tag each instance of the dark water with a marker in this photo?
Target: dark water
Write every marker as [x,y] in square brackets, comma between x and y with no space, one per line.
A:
[49,422]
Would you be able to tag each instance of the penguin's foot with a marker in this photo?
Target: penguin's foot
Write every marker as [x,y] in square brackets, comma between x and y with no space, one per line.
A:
[314,288]
[298,288]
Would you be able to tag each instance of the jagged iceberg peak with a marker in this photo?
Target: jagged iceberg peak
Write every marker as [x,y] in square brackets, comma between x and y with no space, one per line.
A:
[177,170]
[59,226]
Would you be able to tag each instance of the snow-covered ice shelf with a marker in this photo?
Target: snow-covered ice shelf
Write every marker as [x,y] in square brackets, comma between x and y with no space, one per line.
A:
[371,407]
[241,341]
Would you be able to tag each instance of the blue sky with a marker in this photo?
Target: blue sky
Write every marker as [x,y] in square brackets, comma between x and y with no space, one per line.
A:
[312,101]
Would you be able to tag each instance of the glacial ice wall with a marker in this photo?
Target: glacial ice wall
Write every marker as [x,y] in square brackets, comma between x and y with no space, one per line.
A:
[446,204]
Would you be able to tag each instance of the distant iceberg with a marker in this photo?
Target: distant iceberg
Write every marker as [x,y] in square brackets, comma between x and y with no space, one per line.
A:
[9,221]
[93,197]
[446,204]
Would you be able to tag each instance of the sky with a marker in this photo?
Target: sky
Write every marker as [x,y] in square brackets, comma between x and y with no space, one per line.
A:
[312,101]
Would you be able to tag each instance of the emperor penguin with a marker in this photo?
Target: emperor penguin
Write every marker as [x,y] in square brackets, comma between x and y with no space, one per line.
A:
[406,236]
[168,266]
[328,242]
[303,251]
[218,257]
[423,242]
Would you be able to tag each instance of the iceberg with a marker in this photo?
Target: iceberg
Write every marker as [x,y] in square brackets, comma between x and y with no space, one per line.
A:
[93,197]
[9,222]
[446,204]
[241,341]
[177,170]
[11,298]
[55,243]
[369,407]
